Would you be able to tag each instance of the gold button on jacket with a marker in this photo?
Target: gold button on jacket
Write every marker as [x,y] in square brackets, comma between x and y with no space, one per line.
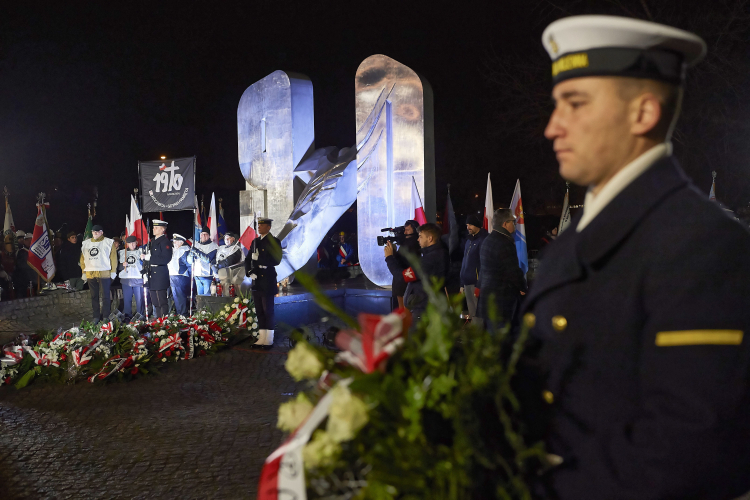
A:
[559,323]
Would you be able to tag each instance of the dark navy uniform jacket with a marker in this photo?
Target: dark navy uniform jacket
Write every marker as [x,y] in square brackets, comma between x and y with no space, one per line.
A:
[269,256]
[643,320]
[161,254]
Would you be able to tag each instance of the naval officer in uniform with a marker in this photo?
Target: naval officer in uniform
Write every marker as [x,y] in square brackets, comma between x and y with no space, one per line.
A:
[640,307]
[260,266]
[160,253]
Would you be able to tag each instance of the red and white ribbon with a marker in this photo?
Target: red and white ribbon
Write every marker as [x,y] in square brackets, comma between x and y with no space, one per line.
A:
[118,361]
[83,355]
[42,359]
[283,474]
[171,342]
[12,355]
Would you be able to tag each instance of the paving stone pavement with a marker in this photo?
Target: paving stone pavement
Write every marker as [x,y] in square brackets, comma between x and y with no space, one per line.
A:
[200,429]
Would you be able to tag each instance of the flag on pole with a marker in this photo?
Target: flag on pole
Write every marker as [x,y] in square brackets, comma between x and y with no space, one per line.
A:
[197,224]
[489,209]
[520,235]
[712,194]
[138,227]
[213,221]
[565,216]
[222,224]
[417,209]
[9,227]
[88,232]
[40,253]
[450,226]
[246,240]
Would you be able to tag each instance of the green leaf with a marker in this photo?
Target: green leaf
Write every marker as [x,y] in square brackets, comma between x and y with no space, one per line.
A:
[26,379]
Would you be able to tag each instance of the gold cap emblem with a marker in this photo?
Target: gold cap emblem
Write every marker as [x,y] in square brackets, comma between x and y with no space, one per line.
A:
[553,44]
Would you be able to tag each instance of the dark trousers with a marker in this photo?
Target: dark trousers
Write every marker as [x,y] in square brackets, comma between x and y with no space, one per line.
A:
[159,301]
[180,293]
[132,287]
[264,309]
[95,285]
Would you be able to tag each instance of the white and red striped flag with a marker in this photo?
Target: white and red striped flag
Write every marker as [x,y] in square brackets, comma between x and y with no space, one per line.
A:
[213,221]
[417,209]
[137,226]
[40,253]
[489,209]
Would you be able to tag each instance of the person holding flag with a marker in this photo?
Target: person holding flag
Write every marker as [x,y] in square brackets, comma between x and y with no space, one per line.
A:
[202,257]
[99,264]
[179,274]
[346,251]
[131,277]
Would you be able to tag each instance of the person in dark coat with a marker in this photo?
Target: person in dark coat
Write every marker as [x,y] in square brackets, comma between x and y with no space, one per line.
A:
[68,260]
[470,265]
[639,309]
[260,266]
[501,280]
[434,263]
[159,255]
[399,260]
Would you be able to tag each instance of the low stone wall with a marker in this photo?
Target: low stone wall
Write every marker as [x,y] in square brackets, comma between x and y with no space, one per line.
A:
[59,309]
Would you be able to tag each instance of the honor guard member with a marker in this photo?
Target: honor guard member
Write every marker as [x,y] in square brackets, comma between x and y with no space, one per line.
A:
[228,255]
[160,253]
[99,265]
[179,274]
[641,306]
[260,266]
[131,277]
[202,257]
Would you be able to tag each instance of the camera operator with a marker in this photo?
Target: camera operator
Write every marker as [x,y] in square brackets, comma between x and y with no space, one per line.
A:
[396,259]
[434,263]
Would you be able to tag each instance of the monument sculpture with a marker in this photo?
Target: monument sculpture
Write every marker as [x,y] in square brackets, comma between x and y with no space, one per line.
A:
[288,180]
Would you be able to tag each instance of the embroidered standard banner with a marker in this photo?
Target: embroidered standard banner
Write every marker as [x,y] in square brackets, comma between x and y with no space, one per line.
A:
[167,185]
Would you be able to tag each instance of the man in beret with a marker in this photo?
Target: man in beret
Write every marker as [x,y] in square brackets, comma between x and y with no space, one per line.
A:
[639,308]
[99,264]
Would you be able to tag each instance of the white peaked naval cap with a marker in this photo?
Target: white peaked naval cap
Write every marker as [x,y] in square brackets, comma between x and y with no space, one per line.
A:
[620,46]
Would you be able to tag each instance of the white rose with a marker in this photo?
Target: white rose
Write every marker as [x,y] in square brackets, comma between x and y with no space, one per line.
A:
[246,301]
[347,415]
[303,363]
[293,413]
[163,360]
[255,325]
[237,300]
[320,451]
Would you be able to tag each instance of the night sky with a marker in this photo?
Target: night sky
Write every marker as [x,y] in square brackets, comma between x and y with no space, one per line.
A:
[88,89]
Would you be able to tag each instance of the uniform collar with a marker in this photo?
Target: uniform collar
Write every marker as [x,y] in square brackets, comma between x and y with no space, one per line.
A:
[595,203]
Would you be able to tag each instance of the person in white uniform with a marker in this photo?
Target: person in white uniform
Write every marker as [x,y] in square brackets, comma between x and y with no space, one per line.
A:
[131,278]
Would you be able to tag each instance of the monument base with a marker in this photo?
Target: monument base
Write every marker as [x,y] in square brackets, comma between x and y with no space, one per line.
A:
[296,307]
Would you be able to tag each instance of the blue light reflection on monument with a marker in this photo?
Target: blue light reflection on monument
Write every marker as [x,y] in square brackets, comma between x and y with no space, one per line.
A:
[394,143]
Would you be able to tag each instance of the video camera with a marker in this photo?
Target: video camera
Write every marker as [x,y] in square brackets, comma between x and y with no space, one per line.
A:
[398,236]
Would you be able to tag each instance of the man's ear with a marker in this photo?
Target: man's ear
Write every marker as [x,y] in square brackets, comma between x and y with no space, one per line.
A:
[645,113]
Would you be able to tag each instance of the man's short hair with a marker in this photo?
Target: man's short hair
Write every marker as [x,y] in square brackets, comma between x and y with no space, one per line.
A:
[501,216]
[430,229]
[667,93]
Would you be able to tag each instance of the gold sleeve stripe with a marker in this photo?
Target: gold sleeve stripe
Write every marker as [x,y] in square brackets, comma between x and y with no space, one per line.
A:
[699,337]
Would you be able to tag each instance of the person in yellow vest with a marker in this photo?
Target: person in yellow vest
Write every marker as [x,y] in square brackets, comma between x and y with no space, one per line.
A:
[99,265]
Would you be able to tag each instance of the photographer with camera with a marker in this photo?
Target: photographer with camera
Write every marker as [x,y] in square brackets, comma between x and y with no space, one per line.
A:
[434,263]
[406,238]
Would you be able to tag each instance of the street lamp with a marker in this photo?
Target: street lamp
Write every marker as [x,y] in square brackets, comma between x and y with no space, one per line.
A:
[163,157]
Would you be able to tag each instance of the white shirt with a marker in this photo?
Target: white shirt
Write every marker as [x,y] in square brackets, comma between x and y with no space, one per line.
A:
[595,203]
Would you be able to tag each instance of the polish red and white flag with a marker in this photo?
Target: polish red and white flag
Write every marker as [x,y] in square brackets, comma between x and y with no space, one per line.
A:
[40,251]
[417,209]
[488,207]
[137,227]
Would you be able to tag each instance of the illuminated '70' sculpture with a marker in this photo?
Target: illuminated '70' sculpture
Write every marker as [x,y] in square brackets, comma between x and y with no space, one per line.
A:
[288,180]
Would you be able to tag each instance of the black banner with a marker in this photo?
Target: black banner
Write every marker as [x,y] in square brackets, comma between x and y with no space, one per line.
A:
[167,185]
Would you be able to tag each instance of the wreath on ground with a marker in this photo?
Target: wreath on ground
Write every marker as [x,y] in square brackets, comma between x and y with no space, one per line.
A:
[123,351]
